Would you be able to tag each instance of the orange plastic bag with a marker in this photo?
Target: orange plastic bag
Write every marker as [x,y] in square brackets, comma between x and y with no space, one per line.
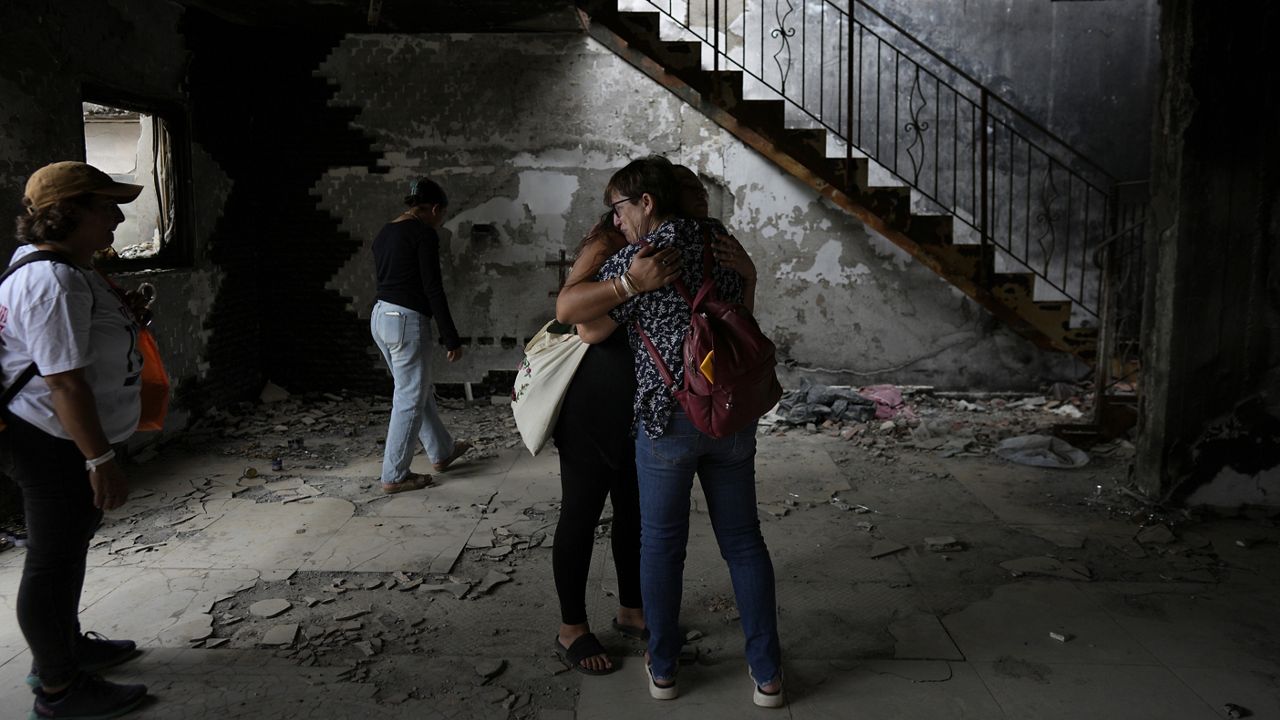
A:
[155,383]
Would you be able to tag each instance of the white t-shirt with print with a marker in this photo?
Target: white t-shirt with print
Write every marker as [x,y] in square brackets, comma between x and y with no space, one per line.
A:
[63,318]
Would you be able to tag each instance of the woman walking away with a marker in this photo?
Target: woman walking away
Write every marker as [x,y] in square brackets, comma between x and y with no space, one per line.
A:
[597,454]
[70,342]
[410,294]
[670,450]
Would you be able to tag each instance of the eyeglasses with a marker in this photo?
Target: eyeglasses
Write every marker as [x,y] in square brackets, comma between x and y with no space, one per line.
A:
[614,205]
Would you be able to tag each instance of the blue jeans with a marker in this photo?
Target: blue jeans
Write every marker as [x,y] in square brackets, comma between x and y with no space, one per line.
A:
[404,337]
[726,468]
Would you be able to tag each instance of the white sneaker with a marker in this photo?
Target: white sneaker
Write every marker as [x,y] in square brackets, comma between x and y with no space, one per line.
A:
[768,700]
[660,692]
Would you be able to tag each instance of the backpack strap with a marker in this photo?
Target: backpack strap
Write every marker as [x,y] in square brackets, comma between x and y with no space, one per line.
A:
[705,291]
[31,370]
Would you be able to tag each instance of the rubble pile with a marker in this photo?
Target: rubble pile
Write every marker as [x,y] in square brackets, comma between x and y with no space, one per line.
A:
[325,430]
[885,419]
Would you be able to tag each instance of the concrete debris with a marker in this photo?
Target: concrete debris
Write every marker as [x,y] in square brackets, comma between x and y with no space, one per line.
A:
[455,589]
[885,547]
[1060,637]
[966,406]
[270,608]
[943,543]
[1070,411]
[775,511]
[365,647]
[1158,534]
[411,585]
[495,694]
[272,393]
[352,614]
[1044,565]
[1236,711]
[1042,451]
[213,643]
[693,635]
[492,580]
[499,552]
[811,404]
[373,585]
[516,701]
[490,669]
[280,635]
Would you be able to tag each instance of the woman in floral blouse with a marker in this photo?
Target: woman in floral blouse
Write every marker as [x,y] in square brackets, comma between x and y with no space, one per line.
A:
[670,450]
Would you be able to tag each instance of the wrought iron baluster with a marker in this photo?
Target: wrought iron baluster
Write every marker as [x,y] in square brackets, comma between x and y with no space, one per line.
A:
[785,34]
[1047,217]
[916,127]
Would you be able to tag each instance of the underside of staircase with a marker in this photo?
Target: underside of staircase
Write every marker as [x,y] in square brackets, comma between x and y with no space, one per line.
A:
[718,94]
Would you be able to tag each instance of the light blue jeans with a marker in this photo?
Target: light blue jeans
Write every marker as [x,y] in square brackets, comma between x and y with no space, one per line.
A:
[727,470]
[404,337]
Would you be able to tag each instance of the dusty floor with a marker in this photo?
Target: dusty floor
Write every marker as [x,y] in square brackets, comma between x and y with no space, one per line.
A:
[440,603]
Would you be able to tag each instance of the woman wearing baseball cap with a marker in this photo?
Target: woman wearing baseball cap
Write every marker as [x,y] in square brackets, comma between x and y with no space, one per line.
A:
[68,346]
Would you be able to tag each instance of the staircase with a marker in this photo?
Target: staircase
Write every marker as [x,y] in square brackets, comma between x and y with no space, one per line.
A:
[841,97]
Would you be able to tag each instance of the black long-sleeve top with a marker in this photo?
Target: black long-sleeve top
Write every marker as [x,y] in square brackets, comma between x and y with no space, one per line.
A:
[406,256]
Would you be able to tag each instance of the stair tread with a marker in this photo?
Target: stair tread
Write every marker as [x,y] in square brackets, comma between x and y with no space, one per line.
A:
[1010,295]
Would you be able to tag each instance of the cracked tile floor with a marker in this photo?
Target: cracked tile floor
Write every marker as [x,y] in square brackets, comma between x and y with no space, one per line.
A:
[439,604]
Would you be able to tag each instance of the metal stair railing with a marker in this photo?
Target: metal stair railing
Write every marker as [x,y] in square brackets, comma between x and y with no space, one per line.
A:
[1022,192]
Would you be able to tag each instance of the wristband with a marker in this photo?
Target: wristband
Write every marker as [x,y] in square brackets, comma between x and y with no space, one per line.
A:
[102,459]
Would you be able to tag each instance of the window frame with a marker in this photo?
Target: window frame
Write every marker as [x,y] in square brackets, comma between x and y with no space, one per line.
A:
[179,252]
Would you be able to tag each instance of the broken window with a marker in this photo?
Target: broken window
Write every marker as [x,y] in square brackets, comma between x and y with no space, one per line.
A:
[135,146]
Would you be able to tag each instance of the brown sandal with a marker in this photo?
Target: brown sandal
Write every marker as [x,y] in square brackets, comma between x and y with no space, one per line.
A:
[412,481]
[460,448]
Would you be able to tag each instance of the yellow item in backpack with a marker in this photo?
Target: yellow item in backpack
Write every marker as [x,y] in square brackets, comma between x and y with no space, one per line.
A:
[706,367]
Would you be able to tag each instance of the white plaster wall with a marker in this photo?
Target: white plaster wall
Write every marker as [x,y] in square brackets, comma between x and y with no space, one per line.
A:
[523,131]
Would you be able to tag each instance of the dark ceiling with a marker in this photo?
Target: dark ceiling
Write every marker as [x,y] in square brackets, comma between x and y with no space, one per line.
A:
[412,16]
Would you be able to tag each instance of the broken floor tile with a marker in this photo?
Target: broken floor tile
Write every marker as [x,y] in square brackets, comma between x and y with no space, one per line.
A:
[1156,534]
[280,635]
[1043,565]
[492,580]
[455,589]
[943,543]
[489,669]
[494,694]
[885,547]
[270,608]
[352,614]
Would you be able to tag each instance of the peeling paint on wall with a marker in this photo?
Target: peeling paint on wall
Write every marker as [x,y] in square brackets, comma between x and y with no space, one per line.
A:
[523,133]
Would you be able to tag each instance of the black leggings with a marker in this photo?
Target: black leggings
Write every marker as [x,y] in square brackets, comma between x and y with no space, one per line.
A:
[61,519]
[597,460]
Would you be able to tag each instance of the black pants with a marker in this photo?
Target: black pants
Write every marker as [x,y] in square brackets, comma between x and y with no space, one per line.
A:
[61,519]
[597,460]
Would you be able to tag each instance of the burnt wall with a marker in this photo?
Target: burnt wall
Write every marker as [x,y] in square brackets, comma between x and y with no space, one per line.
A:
[267,121]
[1085,70]
[1212,315]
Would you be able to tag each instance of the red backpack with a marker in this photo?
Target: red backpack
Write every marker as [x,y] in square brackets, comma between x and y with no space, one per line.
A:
[729,377]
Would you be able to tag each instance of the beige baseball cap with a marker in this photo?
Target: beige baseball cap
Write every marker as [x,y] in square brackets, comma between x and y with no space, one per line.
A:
[69,178]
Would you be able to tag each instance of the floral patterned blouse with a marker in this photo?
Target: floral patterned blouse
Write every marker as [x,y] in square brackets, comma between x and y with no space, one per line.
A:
[664,314]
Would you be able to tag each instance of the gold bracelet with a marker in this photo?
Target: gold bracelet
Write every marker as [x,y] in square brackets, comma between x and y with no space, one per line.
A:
[613,282]
[629,285]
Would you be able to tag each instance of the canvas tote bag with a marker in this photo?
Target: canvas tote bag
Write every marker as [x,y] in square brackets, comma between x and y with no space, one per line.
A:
[550,360]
